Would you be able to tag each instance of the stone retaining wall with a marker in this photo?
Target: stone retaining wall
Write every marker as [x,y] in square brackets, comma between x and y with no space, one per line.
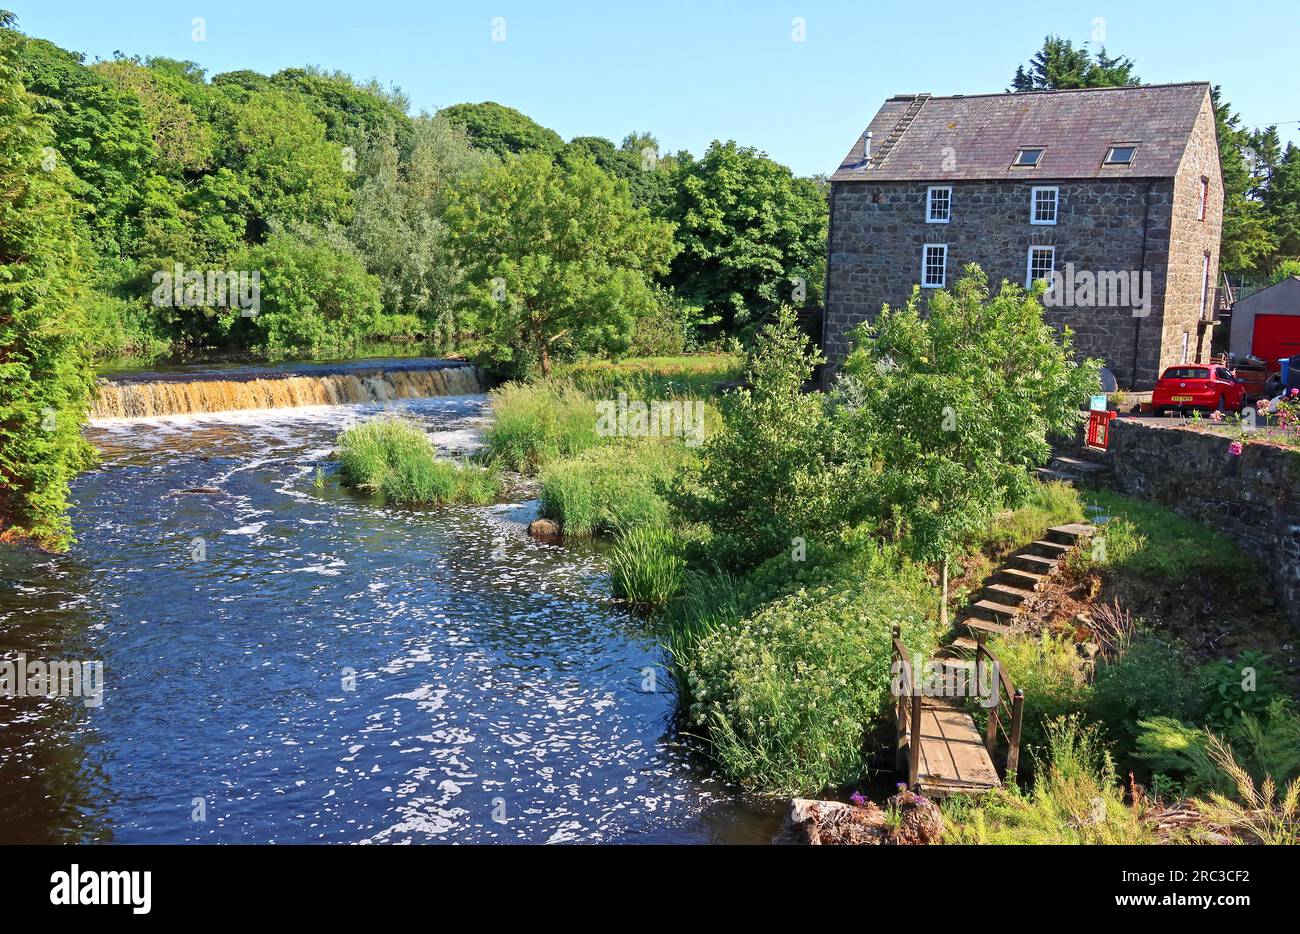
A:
[1253,498]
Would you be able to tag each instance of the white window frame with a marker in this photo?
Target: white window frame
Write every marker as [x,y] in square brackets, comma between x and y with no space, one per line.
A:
[929,204]
[1205,198]
[1029,263]
[943,275]
[1111,152]
[1033,205]
[1187,345]
[1017,164]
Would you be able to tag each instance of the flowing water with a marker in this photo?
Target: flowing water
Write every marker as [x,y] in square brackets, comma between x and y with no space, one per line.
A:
[284,661]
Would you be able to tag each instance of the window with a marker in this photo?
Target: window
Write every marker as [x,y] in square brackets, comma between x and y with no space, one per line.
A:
[1040,265]
[1120,155]
[1027,158]
[1202,374]
[934,265]
[1205,280]
[938,205]
[1186,372]
[1205,198]
[1043,203]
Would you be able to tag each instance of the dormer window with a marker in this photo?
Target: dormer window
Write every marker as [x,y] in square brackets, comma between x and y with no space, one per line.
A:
[1027,159]
[1120,155]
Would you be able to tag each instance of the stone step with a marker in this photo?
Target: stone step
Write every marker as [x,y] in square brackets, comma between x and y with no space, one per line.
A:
[991,610]
[973,623]
[1047,473]
[1006,594]
[1018,577]
[1065,462]
[1036,563]
[1071,534]
[1049,549]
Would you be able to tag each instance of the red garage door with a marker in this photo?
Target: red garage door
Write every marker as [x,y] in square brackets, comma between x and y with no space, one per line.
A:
[1276,336]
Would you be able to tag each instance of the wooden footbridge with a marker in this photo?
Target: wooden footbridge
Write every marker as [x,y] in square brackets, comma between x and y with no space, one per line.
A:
[939,746]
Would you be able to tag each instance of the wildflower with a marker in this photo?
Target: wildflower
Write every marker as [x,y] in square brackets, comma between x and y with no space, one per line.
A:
[1294,392]
[1235,449]
[1216,416]
[857,799]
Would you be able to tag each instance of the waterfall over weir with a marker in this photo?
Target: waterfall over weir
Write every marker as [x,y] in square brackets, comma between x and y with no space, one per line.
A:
[150,395]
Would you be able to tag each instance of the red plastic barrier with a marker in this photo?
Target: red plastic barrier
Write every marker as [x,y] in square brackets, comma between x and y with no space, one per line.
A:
[1099,428]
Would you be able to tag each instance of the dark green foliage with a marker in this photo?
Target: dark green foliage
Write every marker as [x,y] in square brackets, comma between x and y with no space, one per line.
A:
[1058,65]
[777,471]
[502,130]
[1150,679]
[45,381]
[749,229]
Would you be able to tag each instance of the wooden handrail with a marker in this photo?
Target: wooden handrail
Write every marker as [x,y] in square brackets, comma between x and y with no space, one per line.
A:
[1003,689]
[907,714]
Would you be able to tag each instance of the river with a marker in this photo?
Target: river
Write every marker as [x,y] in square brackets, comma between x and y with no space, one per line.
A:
[319,668]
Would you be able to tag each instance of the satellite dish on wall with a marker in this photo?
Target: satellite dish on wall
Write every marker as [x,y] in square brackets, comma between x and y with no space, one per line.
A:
[1108,381]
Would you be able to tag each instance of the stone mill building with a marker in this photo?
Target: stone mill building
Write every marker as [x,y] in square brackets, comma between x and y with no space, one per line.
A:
[1113,195]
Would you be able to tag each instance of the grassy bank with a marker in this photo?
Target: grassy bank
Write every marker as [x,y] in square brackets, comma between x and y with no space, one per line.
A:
[395,459]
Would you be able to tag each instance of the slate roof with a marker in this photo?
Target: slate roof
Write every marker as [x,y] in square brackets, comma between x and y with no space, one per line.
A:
[982,133]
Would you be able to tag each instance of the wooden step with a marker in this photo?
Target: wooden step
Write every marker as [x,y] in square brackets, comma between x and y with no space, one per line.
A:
[1018,577]
[1049,549]
[1036,563]
[972,622]
[997,612]
[1007,594]
[1071,534]
[963,644]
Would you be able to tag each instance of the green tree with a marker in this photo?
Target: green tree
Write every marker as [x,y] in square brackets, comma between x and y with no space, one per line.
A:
[45,382]
[397,226]
[958,402]
[1247,241]
[749,231]
[502,130]
[552,254]
[778,470]
[293,174]
[1058,65]
[314,297]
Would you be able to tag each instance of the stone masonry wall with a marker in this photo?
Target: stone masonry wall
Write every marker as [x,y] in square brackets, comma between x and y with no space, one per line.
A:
[878,230]
[1191,239]
[1253,499]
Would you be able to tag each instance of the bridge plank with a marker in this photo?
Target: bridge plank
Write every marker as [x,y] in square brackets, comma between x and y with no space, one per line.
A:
[953,757]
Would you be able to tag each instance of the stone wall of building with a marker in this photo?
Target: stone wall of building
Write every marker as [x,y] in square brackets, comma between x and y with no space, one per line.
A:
[878,231]
[1189,298]
[1253,498]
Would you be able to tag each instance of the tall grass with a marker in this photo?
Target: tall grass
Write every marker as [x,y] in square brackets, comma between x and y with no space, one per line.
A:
[1076,798]
[647,566]
[1047,504]
[652,377]
[396,460]
[612,488]
[536,423]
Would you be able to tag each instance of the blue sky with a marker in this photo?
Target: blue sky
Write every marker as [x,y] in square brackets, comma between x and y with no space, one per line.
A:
[691,72]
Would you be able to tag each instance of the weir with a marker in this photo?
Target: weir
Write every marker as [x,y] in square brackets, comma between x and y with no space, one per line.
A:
[150,395]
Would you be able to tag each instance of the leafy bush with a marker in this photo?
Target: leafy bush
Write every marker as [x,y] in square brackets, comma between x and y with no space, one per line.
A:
[396,460]
[611,488]
[1148,680]
[534,423]
[647,566]
[1233,689]
[777,471]
[1075,799]
[785,692]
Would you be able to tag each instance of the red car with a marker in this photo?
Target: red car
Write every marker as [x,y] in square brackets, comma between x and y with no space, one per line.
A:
[1198,386]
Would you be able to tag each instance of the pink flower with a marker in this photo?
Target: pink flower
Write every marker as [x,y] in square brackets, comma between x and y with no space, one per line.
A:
[1216,416]
[1294,392]
[1235,449]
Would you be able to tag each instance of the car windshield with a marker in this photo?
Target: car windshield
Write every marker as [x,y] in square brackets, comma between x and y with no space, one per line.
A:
[1187,372]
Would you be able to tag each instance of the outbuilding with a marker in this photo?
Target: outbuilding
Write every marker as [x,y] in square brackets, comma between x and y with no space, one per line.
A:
[1267,323]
